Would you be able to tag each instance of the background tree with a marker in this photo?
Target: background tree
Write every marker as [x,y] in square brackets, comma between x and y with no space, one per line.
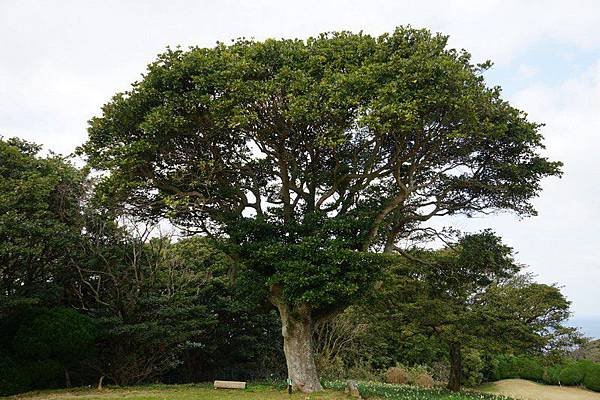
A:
[453,285]
[164,307]
[470,297]
[40,223]
[530,317]
[40,229]
[84,294]
[588,351]
[312,156]
[148,305]
[244,343]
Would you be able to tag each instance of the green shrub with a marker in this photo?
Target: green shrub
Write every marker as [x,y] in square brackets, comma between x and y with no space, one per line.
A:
[42,347]
[504,367]
[529,368]
[18,377]
[524,367]
[44,373]
[585,365]
[61,334]
[592,377]
[552,374]
[472,368]
[572,374]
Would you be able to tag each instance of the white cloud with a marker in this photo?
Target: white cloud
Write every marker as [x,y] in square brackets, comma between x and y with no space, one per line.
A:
[525,71]
[63,59]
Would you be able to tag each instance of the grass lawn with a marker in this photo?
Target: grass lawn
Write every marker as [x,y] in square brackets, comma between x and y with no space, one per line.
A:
[176,392]
[334,391]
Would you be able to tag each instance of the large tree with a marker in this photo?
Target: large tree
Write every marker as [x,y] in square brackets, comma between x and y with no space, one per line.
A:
[311,156]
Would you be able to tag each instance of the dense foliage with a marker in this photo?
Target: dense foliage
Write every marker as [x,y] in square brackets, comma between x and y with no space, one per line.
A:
[83,297]
[40,223]
[592,377]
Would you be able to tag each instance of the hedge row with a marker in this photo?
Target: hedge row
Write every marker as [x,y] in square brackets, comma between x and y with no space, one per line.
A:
[17,377]
[583,372]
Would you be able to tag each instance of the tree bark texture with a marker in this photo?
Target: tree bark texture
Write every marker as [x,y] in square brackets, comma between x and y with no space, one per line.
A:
[297,329]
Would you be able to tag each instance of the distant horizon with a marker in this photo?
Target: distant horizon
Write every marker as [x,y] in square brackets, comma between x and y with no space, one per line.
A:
[589,325]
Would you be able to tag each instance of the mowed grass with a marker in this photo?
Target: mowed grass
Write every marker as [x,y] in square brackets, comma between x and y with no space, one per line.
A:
[512,388]
[333,391]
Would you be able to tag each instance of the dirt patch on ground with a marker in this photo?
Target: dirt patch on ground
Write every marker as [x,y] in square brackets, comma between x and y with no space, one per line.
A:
[527,390]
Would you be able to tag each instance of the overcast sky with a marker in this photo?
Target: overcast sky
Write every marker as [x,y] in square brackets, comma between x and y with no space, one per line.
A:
[61,60]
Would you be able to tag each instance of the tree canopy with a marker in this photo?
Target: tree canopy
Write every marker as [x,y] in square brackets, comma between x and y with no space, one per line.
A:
[392,130]
[311,155]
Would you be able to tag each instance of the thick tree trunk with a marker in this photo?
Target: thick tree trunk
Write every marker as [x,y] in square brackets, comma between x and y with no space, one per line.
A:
[455,367]
[296,328]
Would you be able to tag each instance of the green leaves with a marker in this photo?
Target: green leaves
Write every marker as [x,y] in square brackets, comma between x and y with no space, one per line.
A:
[319,273]
[61,334]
